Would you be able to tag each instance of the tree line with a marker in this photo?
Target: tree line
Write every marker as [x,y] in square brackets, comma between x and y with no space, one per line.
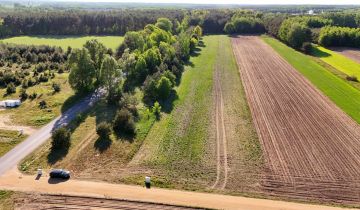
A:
[27,21]
[245,21]
[151,60]
[339,36]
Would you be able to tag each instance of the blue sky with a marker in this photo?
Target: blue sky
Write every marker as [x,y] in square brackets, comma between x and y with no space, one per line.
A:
[236,1]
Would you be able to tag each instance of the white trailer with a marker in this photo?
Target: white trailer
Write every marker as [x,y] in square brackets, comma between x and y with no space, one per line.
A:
[10,103]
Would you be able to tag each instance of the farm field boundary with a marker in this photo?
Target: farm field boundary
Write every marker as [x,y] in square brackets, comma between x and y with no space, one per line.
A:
[311,147]
[341,93]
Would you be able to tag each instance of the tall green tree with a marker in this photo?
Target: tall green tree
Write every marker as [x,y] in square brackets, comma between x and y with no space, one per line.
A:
[111,77]
[165,24]
[82,71]
[97,52]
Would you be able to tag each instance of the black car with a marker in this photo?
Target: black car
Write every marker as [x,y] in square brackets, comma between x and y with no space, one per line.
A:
[60,173]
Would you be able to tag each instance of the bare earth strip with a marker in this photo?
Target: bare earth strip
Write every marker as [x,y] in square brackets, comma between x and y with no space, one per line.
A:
[351,53]
[221,145]
[311,147]
[49,201]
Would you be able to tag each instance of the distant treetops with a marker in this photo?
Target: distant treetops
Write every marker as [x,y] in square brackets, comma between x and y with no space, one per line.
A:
[298,31]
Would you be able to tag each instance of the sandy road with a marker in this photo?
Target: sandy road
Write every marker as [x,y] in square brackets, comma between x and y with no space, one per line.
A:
[311,147]
[221,143]
[13,180]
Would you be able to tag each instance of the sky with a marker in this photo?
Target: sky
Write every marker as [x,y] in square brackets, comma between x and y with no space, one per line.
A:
[323,2]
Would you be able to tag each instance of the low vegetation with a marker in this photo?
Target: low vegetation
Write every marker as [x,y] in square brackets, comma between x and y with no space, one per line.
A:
[7,199]
[338,90]
[9,139]
[64,42]
[338,61]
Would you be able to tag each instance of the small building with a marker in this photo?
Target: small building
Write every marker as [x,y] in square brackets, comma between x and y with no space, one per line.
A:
[10,103]
[311,12]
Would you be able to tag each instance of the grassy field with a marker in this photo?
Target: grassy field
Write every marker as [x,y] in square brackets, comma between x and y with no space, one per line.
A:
[181,147]
[7,200]
[338,61]
[29,113]
[339,91]
[64,41]
[8,140]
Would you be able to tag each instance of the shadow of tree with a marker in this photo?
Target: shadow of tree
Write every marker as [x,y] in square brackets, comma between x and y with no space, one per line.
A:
[319,53]
[102,144]
[57,154]
[168,105]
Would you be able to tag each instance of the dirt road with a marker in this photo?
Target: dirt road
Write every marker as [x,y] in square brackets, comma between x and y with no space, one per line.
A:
[13,180]
[12,158]
[311,147]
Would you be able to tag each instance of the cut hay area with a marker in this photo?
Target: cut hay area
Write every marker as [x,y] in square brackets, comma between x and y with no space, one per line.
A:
[65,41]
[339,91]
[311,147]
[338,61]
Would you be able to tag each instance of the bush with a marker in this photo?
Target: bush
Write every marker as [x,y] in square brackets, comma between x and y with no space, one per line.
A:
[33,96]
[103,130]
[352,78]
[156,109]
[23,94]
[61,138]
[56,87]
[124,122]
[25,83]
[10,89]
[306,48]
[42,104]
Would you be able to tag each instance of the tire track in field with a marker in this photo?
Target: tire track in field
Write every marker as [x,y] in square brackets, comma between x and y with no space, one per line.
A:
[221,143]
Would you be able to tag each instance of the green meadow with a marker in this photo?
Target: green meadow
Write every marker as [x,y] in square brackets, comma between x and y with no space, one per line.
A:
[65,41]
[338,61]
[339,91]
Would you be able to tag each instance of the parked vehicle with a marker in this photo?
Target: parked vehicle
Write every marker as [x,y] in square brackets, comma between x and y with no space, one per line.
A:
[60,173]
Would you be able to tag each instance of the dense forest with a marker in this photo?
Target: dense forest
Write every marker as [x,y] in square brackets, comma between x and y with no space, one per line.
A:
[113,22]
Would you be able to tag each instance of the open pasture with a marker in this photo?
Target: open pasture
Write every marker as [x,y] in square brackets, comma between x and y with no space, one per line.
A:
[311,147]
[65,41]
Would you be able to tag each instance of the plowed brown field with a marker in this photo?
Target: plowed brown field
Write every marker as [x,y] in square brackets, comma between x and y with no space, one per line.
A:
[311,147]
[353,54]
